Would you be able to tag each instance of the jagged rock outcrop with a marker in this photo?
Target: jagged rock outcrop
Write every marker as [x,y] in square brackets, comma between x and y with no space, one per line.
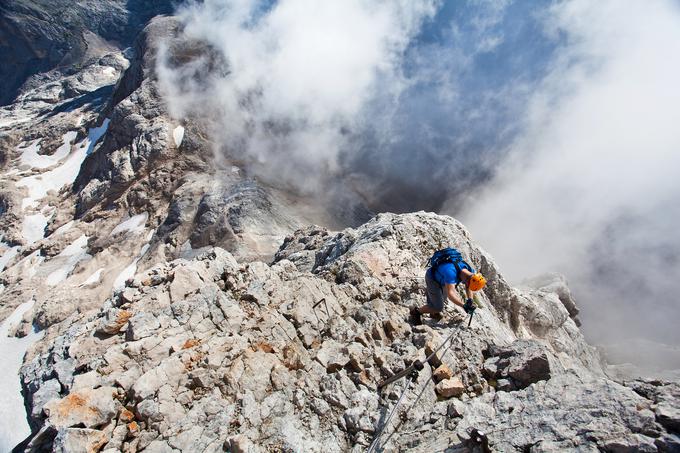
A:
[210,354]
[33,42]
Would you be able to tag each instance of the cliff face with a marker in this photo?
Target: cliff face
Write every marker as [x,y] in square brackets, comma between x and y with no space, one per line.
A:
[39,36]
[168,301]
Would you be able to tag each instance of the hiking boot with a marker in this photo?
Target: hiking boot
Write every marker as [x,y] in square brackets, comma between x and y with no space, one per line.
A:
[436,316]
[416,319]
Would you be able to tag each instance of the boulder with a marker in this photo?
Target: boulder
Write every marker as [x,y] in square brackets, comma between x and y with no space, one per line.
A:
[90,408]
[523,361]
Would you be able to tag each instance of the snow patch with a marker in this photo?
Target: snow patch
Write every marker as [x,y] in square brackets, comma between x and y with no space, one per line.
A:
[30,264]
[8,255]
[31,157]
[64,228]
[109,71]
[71,255]
[134,224]
[178,135]
[94,278]
[13,427]
[66,173]
[33,228]
[130,270]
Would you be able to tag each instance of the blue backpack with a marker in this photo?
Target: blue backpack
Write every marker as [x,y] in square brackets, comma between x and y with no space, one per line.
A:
[447,255]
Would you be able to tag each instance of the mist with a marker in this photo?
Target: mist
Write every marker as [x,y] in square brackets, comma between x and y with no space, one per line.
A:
[590,187]
[298,76]
[547,127]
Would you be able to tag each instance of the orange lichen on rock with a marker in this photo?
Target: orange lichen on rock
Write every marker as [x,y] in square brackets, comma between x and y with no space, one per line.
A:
[88,407]
[190,343]
[263,346]
[126,415]
[133,428]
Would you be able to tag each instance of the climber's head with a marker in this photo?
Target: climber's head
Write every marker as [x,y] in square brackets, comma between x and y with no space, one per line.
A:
[474,282]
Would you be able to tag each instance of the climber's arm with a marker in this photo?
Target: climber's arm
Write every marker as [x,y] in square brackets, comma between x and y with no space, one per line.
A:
[453,295]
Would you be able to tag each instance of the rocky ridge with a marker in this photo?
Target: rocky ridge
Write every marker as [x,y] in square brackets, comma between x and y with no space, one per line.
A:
[208,354]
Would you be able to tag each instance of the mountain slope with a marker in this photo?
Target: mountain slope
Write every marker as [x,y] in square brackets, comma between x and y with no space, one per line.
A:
[210,354]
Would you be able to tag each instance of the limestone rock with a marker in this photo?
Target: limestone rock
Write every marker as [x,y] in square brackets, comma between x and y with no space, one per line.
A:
[237,356]
[524,361]
[79,440]
[448,388]
[240,444]
[141,325]
[91,408]
[333,356]
[113,321]
[442,372]
[48,391]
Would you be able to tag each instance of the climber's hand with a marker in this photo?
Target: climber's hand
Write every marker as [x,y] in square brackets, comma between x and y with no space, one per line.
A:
[469,307]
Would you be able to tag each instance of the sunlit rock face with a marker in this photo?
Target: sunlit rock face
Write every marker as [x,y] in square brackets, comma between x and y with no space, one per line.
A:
[217,353]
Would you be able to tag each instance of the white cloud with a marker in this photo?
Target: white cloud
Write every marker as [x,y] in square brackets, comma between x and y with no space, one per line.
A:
[299,74]
[599,150]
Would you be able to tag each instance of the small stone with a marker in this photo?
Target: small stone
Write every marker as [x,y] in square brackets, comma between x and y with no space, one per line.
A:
[141,325]
[505,385]
[190,343]
[364,379]
[294,358]
[450,387]
[393,329]
[133,428]
[201,378]
[356,356]
[184,281]
[442,372]
[332,356]
[129,295]
[490,367]
[240,444]
[435,361]
[113,321]
[126,415]
[307,335]
[378,333]
[48,391]
[361,339]
[455,409]
[669,416]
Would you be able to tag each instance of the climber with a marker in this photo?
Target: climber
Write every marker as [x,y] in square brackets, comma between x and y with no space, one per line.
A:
[447,269]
